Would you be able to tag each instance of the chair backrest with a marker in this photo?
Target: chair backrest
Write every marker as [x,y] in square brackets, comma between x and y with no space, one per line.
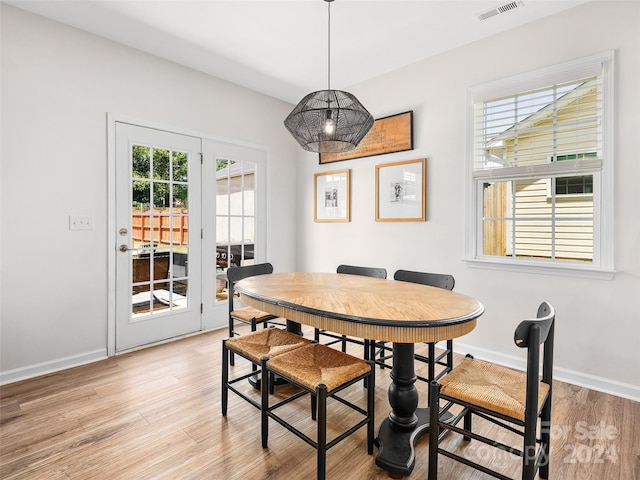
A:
[364,271]
[235,274]
[440,280]
[530,334]
[525,335]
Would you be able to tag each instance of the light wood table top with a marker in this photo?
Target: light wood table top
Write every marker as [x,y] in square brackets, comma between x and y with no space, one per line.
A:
[364,307]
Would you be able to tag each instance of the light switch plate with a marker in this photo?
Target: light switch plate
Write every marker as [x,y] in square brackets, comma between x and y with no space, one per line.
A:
[80,222]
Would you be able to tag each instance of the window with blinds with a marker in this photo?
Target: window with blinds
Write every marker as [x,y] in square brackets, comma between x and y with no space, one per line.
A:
[541,167]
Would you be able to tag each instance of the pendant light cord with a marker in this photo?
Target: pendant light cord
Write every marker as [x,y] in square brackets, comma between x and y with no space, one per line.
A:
[329,46]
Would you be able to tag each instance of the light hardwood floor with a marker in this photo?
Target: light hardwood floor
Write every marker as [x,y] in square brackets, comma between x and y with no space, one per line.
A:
[155,413]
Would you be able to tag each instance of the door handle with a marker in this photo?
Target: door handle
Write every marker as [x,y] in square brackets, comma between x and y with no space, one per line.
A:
[124,248]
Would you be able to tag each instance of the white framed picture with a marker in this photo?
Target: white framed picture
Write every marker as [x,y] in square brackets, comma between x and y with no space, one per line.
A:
[332,196]
[401,191]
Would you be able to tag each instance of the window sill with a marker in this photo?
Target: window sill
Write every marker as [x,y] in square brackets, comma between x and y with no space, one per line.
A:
[561,269]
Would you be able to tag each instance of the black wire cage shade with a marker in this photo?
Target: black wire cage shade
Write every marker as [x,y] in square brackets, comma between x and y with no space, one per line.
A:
[329,121]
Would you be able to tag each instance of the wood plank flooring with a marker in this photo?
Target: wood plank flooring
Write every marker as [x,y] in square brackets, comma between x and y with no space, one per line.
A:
[155,414]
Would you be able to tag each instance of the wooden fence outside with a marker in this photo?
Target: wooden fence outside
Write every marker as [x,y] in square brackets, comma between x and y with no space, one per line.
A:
[495,234]
[144,226]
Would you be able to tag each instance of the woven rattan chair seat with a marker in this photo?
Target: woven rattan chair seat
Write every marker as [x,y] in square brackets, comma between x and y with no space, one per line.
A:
[490,386]
[249,313]
[317,364]
[267,342]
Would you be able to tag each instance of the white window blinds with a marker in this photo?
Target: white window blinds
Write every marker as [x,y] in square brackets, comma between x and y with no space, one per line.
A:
[520,133]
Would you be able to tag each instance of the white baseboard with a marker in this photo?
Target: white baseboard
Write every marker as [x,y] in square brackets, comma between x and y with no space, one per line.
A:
[601,384]
[44,368]
[593,382]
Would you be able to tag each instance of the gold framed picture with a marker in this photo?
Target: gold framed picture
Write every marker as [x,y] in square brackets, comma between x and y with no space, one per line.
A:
[332,196]
[401,191]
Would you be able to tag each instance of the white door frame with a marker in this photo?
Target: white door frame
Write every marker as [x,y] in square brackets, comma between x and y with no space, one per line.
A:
[111,210]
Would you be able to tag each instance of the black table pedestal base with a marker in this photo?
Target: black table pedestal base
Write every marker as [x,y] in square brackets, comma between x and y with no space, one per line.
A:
[255,381]
[396,453]
[399,432]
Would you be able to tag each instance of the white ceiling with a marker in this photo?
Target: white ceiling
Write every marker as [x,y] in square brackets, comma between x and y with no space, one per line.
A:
[279,47]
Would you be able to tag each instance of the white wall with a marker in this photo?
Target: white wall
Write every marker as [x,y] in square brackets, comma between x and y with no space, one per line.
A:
[598,321]
[58,84]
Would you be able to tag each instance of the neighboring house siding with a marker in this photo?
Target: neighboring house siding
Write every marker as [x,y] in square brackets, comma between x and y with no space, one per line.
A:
[533,202]
[235,204]
[574,238]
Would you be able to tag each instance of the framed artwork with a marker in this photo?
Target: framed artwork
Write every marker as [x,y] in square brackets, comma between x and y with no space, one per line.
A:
[401,191]
[388,135]
[332,201]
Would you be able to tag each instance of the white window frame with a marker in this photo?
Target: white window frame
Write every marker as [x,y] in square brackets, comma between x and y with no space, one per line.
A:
[602,266]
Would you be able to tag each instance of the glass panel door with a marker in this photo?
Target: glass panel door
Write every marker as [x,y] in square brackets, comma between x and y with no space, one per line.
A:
[234,218]
[158,292]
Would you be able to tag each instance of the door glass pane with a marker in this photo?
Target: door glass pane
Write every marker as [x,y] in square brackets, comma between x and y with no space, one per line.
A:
[180,167]
[222,200]
[249,239]
[235,218]
[160,231]
[180,197]
[180,266]
[141,194]
[179,230]
[141,161]
[236,232]
[160,164]
[140,300]
[160,195]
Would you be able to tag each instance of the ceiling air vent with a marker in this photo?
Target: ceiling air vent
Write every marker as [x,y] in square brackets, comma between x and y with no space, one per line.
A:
[501,9]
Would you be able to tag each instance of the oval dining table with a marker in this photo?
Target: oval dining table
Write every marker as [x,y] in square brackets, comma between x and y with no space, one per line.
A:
[383,310]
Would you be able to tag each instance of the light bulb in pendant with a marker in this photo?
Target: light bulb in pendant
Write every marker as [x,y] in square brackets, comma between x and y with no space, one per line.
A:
[329,125]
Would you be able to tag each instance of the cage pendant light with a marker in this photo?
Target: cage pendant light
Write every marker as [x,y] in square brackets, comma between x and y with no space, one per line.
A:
[329,121]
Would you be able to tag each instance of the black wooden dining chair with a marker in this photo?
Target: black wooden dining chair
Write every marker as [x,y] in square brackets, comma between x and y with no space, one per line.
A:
[322,372]
[383,353]
[343,339]
[514,400]
[247,315]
